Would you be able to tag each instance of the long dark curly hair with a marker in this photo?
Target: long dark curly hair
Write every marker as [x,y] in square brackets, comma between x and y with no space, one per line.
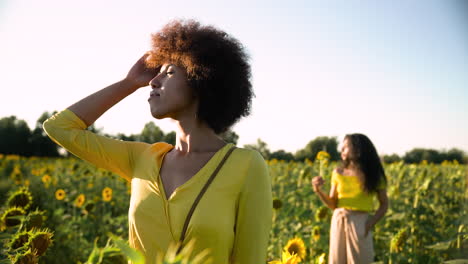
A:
[364,156]
[216,65]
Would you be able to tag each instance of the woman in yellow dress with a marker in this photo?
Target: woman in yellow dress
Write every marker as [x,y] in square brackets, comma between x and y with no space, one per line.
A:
[354,185]
[200,78]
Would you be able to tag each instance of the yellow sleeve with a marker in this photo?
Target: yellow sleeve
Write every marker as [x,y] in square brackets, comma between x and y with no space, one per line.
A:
[254,214]
[334,180]
[69,131]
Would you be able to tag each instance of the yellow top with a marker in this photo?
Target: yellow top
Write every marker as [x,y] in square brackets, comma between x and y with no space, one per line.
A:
[233,218]
[351,195]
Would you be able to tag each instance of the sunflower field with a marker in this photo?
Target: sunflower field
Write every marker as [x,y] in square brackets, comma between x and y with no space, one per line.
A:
[66,209]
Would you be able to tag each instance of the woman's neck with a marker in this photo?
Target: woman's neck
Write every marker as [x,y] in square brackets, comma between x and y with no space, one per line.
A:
[194,136]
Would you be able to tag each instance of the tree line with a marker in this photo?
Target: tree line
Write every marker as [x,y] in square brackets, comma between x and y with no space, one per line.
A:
[18,138]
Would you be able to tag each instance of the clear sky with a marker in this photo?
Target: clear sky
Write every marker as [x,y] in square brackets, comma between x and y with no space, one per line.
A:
[394,70]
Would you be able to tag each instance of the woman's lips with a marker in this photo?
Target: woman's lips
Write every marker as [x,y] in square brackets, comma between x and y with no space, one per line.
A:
[153,94]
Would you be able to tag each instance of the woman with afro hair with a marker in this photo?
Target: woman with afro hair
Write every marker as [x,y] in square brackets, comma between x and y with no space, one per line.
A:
[200,78]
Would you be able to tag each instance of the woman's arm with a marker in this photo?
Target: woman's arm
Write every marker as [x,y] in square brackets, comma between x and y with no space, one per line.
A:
[329,200]
[68,128]
[90,108]
[254,215]
[383,206]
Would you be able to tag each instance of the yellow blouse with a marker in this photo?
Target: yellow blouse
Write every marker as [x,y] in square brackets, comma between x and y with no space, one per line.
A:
[350,193]
[232,220]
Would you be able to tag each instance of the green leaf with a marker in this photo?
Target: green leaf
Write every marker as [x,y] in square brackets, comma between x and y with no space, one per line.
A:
[396,216]
[457,261]
[135,256]
[441,245]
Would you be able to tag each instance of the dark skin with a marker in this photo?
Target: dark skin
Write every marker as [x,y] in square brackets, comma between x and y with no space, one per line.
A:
[196,142]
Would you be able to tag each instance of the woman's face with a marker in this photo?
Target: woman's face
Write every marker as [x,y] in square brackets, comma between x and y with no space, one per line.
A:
[345,149]
[171,96]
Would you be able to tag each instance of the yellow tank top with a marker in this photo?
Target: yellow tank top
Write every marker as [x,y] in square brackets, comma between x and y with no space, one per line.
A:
[351,195]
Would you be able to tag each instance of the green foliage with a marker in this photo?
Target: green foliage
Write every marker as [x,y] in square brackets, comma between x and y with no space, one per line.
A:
[15,136]
[261,147]
[230,137]
[391,158]
[418,155]
[328,144]
[151,133]
[18,139]
[282,155]
[428,200]
[170,138]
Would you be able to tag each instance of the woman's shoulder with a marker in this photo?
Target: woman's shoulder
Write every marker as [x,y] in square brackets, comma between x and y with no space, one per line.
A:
[248,155]
[338,170]
[159,147]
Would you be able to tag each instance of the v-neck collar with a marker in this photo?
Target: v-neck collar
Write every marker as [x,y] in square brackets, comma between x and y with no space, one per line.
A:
[197,176]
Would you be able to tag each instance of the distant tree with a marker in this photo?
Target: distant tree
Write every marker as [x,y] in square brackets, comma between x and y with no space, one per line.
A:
[124,137]
[230,137]
[41,144]
[417,155]
[328,144]
[151,133]
[14,134]
[261,147]
[94,129]
[455,154]
[170,138]
[414,156]
[391,158]
[282,155]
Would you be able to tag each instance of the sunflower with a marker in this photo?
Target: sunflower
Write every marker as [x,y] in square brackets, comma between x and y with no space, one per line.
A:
[18,240]
[107,194]
[277,203]
[12,157]
[296,246]
[21,198]
[396,244]
[46,179]
[79,201]
[287,258]
[34,220]
[17,175]
[322,259]
[60,194]
[321,213]
[323,155]
[10,216]
[40,241]
[316,233]
[28,256]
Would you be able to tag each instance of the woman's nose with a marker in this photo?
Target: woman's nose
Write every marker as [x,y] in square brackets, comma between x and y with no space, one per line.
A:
[155,82]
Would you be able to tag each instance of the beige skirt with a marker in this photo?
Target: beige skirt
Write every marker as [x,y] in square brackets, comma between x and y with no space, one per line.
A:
[347,241]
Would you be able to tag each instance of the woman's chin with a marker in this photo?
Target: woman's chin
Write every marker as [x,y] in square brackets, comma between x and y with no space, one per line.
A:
[158,115]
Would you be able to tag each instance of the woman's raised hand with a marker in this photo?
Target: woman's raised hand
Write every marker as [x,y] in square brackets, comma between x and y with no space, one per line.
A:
[317,182]
[140,75]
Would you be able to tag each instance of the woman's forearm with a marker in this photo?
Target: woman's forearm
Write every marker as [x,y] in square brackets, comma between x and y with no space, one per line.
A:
[381,211]
[90,108]
[383,206]
[327,200]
